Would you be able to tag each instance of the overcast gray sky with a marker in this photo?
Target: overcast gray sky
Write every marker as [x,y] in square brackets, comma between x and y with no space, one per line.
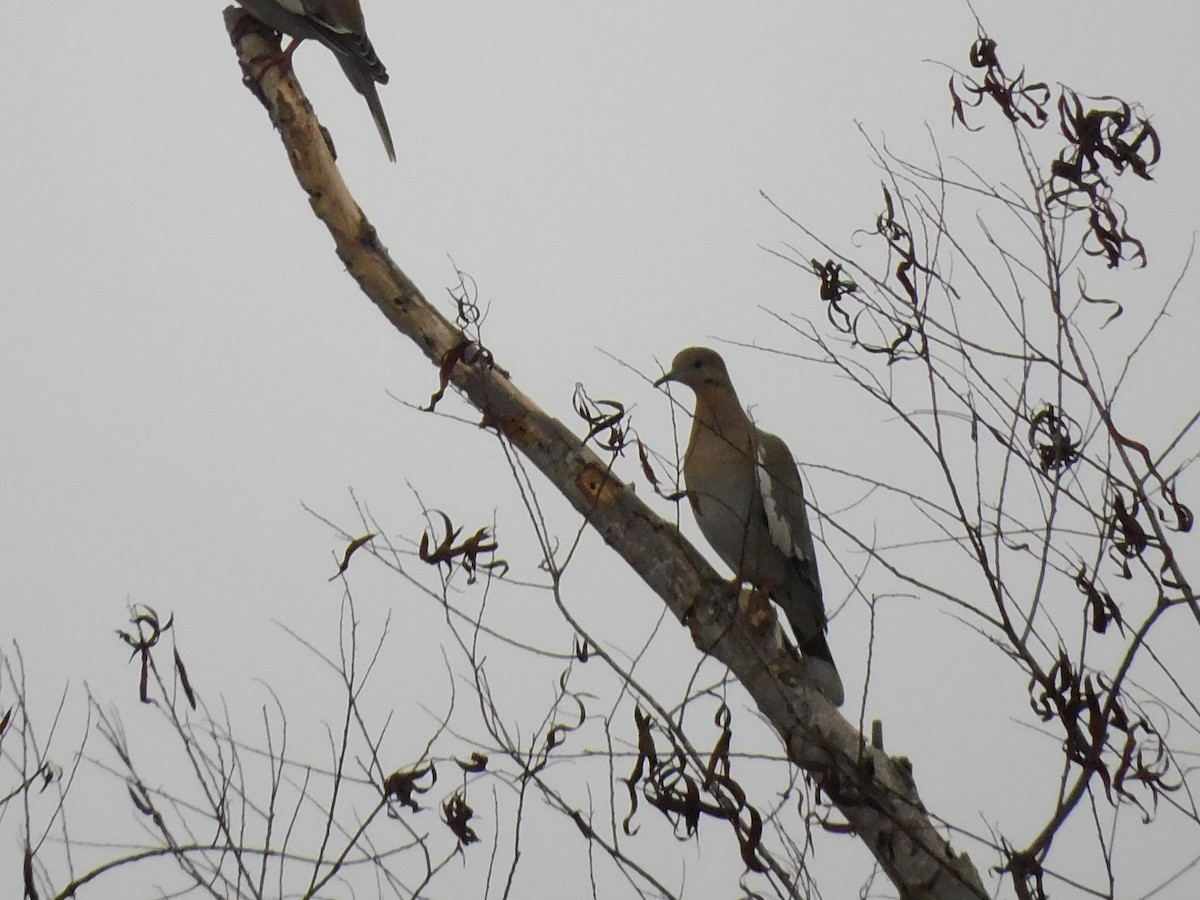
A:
[184,362]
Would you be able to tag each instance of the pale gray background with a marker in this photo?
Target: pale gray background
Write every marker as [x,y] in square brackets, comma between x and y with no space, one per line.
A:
[184,362]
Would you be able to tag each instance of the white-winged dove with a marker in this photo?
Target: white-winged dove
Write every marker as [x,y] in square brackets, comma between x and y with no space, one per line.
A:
[745,491]
[339,25]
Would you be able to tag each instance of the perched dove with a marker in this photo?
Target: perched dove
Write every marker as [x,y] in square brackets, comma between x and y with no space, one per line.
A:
[749,503]
[338,24]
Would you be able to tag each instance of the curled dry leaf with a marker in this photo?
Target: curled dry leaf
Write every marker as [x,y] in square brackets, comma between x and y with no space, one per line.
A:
[457,815]
[477,763]
[467,553]
[606,420]
[181,670]
[401,785]
[468,352]
[349,551]
[1053,437]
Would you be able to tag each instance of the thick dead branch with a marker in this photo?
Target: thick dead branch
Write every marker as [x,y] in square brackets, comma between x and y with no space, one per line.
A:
[874,792]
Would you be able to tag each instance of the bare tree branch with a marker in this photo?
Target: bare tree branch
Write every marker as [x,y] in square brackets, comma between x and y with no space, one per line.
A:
[874,792]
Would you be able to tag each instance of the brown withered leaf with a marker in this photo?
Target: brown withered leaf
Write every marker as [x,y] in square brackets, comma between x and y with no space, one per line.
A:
[1107,128]
[50,773]
[181,670]
[144,680]
[478,762]
[441,553]
[958,110]
[449,360]
[718,760]
[481,542]
[605,420]
[834,287]
[558,731]
[582,651]
[349,551]
[1052,436]
[647,753]
[1103,133]
[900,242]
[647,469]
[735,792]
[1101,604]
[749,838]
[626,823]
[1100,736]
[1184,518]
[402,784]
[446,551]
[837,289]
[1018,100]
[31,892]
[465,295]
[144,617]
[457,815]
[674,793]
[1129,538]
[468,352]
[647,761]
[144,636]
[1099,301]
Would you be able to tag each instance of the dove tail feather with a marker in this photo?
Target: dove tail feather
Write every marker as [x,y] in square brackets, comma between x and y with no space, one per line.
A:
[822,669]
[364,83]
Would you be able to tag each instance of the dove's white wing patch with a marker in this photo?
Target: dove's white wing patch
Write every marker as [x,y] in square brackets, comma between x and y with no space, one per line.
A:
[777,523]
